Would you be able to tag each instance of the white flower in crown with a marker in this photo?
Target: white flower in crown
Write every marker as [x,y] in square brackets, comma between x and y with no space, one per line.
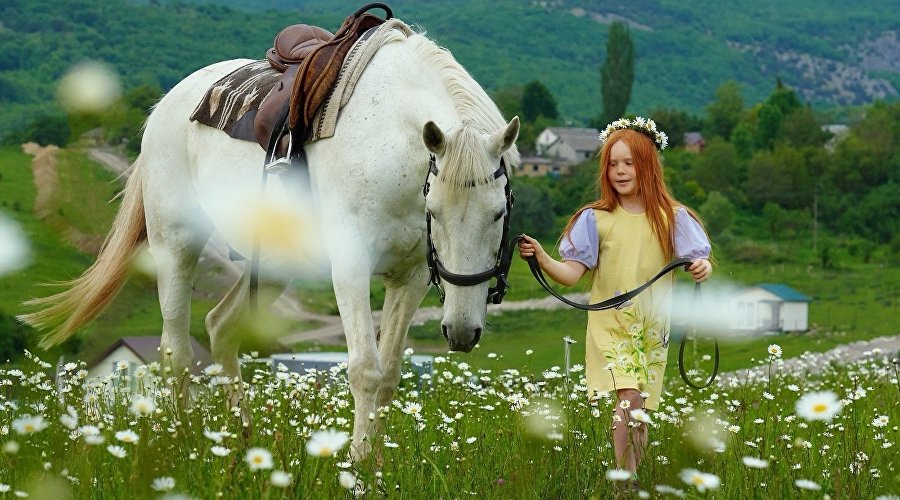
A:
[644,125]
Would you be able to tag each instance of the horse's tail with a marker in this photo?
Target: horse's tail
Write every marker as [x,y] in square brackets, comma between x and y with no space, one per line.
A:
[63,313]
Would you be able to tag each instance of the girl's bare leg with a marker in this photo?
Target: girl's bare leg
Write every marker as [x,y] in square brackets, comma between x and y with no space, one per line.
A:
[629,435]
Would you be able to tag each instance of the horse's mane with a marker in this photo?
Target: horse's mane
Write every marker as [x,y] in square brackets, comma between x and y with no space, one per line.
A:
[478,114]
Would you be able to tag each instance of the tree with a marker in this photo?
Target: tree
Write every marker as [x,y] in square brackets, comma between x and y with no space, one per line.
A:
[675,123]
[538,101]
[718,168]
[533,214]
[509,100]
[718,213]
[725,111]
[617,72]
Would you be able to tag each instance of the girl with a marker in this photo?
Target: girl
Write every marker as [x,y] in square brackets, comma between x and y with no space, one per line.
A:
[625,238]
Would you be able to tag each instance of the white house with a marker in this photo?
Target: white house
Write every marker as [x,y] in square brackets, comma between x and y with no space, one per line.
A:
[770,307]
[573,145]
[138,351]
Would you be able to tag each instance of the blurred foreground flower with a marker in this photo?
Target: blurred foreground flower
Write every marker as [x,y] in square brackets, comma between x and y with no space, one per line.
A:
[822,405]
[806,484]
[14,249]
[618,475]
[89,87]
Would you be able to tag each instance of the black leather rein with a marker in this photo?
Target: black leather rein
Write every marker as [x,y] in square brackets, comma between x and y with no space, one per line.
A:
[618,300]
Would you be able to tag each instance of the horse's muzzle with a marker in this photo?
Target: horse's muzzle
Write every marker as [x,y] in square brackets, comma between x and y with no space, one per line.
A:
[461,339]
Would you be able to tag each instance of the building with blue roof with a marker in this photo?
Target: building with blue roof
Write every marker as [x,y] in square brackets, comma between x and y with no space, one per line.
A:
[770,307]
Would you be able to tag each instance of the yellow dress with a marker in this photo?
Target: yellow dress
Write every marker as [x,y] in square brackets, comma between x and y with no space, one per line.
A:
[627,347]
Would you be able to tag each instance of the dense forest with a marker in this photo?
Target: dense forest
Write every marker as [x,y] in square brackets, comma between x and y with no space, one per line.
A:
[683,52]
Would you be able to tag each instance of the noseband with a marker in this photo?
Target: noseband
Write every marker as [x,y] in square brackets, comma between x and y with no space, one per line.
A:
[504,259]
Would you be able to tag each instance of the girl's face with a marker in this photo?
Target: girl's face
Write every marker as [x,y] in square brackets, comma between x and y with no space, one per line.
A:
[620,171]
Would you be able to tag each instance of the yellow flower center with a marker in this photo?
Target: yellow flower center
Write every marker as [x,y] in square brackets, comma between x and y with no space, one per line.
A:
[819,407]
[698,480]
[29,428]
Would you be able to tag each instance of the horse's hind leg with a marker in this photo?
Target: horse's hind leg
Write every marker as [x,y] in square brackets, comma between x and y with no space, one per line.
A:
[225,322]
[176,249]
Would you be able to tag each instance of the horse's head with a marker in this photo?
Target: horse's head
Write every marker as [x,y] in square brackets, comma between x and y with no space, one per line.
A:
[467,208]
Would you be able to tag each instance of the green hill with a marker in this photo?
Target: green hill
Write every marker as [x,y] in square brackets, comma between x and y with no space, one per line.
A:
[684,51]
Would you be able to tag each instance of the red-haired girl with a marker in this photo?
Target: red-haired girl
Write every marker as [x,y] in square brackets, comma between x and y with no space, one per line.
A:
[624,238]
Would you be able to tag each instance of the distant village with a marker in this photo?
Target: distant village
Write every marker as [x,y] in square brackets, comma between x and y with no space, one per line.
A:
[558,149]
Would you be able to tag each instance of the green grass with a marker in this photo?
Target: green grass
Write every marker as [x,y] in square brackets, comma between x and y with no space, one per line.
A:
[479,433]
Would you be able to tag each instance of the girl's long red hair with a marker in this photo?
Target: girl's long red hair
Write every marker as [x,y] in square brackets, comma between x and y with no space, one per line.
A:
[659,204]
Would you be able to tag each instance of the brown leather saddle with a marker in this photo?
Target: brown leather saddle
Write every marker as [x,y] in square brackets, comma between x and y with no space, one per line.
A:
[310,59]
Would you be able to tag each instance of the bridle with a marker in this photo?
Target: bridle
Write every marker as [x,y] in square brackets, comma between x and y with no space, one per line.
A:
[500,271]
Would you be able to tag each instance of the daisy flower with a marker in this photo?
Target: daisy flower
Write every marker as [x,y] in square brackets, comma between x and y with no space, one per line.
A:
[347,479]
[326,443]
[641,416]
[822,405]
[164,483]
[880,421]
[806,484]
[618,475]
[755,463]
[220,451]
[775,350]
[142,406]
[701,480]
[280,479]
[127,436]
[116,451]
[29,424]
[258,458]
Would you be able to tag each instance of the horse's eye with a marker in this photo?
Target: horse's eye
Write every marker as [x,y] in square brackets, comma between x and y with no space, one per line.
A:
[499,215]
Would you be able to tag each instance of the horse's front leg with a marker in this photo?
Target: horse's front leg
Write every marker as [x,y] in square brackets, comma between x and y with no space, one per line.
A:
[400,303]
[350,276]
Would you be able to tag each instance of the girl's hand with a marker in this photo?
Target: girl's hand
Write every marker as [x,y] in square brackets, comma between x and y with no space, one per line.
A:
[529,246]
[700,270]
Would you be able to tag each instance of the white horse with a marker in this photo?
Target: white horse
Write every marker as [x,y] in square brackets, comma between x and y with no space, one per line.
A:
[367,190]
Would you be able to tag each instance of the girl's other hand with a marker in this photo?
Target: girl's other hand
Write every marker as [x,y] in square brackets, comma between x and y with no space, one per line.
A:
[700,270]
[529,246]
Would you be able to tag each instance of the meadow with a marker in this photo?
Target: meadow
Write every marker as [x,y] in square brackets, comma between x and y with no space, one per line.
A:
[454,432]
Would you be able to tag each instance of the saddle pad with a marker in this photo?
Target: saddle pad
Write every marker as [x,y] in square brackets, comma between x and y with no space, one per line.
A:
[232,102]
[325,119]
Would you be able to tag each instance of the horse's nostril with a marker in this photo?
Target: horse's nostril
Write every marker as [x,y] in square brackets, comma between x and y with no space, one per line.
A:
[444,331]
[477,336]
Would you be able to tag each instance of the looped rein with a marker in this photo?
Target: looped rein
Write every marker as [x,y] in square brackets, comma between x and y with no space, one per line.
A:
[618,300]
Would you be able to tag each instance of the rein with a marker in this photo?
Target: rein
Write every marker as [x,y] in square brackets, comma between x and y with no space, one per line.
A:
[618,300]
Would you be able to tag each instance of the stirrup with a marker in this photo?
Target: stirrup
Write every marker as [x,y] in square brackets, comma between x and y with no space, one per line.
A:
[279,165]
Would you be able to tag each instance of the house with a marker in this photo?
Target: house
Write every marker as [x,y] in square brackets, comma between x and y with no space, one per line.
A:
[138,351]
[537,166]
[770,307]
[694,142]
[573,145]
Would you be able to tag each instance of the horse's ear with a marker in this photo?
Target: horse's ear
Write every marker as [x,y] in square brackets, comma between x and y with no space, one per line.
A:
[434,138]
[504,138]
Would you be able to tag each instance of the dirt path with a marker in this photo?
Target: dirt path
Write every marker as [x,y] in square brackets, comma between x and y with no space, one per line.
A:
[813,362]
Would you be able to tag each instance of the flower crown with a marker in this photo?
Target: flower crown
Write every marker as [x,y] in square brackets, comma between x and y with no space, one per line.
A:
[645,126]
